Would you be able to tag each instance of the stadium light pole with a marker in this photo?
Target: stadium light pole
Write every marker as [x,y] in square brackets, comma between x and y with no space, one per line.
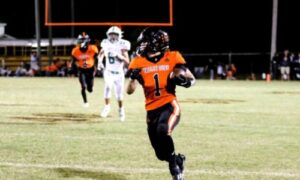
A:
[274,32]
[72,18]
[37,29]
[50,52]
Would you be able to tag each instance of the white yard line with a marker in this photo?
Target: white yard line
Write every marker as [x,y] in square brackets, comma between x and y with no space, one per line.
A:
[100,137]
[152,170]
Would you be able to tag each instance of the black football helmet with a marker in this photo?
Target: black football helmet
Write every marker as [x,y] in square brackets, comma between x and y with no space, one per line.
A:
[83,41]
[152,40]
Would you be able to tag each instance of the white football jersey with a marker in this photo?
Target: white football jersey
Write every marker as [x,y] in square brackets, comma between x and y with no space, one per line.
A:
[112,63]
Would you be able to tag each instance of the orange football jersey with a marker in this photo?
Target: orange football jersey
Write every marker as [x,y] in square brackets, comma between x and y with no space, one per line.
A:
[155,76]
[86,59]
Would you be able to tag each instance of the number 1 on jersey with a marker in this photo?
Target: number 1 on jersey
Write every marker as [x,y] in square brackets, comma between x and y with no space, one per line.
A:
[157,92]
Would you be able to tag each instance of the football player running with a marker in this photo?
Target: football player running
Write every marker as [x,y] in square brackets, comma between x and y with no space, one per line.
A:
[115,51]
[85,58]
[159,70]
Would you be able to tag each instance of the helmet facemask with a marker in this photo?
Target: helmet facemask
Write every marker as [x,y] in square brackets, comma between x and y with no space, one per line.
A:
[113,37]
[83,37]
[84,46]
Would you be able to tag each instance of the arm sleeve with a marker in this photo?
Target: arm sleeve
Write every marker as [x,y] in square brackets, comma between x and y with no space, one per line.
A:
[181,66]
[73,64]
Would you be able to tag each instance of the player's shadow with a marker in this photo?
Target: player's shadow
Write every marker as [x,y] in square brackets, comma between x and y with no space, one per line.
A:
[72,173]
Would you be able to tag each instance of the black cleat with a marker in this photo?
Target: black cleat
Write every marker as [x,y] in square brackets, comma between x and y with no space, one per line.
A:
[178,177]
[177,168]
[176,172]
[180,159]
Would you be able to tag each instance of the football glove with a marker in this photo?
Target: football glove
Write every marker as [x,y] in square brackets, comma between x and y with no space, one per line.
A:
[135,74]
[181,80]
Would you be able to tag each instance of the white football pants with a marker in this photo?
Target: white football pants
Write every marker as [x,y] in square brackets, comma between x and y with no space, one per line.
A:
[116,80]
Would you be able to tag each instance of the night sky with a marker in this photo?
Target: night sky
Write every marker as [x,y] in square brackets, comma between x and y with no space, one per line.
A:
[211,26]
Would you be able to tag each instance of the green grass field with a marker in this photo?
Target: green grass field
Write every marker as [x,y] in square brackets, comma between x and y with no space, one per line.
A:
[228,130]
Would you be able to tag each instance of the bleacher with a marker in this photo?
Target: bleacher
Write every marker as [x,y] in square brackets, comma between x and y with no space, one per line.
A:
[13,51]
[13,62]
